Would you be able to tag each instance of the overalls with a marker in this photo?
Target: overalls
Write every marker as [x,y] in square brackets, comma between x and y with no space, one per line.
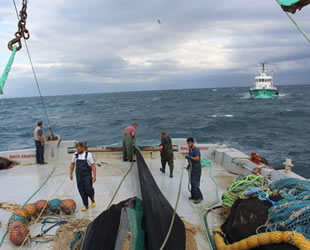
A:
[84,179]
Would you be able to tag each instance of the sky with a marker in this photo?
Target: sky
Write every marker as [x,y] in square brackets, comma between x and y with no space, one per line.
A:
[109,46]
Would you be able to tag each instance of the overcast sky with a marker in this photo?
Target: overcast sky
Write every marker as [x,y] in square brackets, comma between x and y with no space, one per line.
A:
[118,45]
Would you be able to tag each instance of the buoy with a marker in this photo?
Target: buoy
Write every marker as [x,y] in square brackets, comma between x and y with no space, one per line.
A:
[14,224]
[54,205]
[18,217]
[30,209]
[68,206]
[21,212]
[40,204]
[18,234]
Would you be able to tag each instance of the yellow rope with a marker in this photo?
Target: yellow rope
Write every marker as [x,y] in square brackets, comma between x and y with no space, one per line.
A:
[254,241]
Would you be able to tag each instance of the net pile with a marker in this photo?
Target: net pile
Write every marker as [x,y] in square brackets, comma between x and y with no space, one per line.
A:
[66,234]
[293,213]
[237,189]
[252,216]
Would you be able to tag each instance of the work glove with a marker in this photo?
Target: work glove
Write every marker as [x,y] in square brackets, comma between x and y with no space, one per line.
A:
[188,157]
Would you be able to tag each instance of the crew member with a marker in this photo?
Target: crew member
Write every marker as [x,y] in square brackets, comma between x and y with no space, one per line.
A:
[193,158]
[39,142]
[129,141]
[85,174]
[166,152]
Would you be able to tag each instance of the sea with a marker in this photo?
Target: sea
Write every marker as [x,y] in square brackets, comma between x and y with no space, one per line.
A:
[275,128]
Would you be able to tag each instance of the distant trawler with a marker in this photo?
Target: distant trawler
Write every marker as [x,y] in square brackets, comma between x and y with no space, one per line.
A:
[264,88]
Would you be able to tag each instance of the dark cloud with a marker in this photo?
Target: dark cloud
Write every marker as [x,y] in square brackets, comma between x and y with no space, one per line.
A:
[96,46]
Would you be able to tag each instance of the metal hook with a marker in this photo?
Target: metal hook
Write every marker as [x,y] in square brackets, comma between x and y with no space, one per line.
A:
[14,41]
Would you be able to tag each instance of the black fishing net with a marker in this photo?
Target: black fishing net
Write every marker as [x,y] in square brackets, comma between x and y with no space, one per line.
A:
[246,216]
[104,232]
[158,213]
[101,234]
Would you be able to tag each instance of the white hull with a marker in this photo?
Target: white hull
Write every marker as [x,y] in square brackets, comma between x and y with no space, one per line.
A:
[18,183]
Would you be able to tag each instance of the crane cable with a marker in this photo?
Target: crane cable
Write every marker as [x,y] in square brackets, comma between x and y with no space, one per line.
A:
[35,77]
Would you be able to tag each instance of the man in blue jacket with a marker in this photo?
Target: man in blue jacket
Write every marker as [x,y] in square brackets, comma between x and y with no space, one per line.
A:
[193,158]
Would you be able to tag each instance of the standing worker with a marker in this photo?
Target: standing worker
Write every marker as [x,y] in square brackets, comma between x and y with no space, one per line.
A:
[193,158]
[166,152]
[85,174]
[129,141]
[39,142]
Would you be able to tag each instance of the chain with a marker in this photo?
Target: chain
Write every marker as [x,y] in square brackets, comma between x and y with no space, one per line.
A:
[22,31]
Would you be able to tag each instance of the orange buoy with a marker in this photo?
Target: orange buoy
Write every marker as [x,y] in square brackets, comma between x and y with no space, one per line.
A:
[18,234]
[40,204]
[14,224]
[21,212]
[30,209]
[68,206]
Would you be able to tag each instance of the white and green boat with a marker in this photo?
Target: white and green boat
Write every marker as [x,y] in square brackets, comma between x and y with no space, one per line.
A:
[264,88]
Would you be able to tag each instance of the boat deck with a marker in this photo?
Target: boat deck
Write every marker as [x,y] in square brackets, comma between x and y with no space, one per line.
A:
[20,182]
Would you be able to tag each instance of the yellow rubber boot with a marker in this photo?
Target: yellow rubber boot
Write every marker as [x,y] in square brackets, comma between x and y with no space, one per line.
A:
[84,209]
[93,204]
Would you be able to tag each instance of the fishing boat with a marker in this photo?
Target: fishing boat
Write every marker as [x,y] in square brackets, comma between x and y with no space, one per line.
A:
[264,88]
[139,207]
[225,163]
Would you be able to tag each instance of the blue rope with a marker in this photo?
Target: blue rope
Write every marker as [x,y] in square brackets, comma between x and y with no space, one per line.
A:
[55,223]
[77,237]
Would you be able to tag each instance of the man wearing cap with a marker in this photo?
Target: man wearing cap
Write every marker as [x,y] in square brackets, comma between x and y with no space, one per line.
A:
[85,174]
[129,141]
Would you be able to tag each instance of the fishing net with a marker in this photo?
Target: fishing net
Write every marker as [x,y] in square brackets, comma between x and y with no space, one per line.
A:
[158,213]
[128,224]
[67,234]
[293,189]
[246,217]
[107,223]
[293,213]
[9,206]
[290,216]
[135,216]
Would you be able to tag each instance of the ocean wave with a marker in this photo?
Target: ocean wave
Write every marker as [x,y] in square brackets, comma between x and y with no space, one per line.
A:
[227,115]
[274,128]
[244,95]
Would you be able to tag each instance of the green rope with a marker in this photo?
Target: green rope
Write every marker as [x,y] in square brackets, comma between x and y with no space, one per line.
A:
[124,177]
[38,189]
[7,69]
[211,205]
[241,185]
[175,209]
[296,24]
[120,184]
